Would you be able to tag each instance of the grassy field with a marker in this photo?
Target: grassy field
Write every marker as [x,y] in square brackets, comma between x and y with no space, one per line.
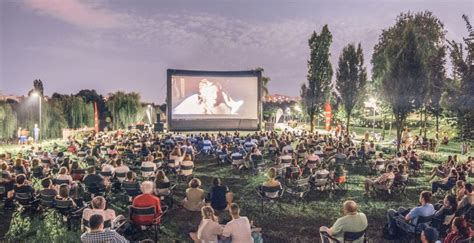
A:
[288,221]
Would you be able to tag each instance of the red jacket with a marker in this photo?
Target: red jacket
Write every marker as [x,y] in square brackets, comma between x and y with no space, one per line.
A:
[147,200]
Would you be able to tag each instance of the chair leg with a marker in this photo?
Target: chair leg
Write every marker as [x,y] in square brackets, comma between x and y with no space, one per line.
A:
[155,227]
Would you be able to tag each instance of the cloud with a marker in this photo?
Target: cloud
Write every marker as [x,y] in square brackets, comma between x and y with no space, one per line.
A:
[77,12]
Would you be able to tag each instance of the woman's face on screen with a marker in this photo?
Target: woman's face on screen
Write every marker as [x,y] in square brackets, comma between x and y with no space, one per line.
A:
[209,93]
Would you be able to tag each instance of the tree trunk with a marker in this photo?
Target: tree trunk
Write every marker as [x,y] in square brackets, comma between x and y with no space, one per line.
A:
[437,125]
[383,127]
[390,128]
[399,124]
[424,124]
[421,121]
[311,123]
[348,122]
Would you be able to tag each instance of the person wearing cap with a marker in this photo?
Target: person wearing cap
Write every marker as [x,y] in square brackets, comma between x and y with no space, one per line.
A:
[429,234]
[352,221]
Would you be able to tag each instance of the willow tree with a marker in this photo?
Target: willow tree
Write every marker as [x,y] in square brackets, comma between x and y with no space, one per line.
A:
[315,91]
[351,77]
[124,108]
[76,110]
[8,121]
[401,63]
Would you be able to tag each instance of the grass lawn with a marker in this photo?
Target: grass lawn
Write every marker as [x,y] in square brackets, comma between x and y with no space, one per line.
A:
[288,221]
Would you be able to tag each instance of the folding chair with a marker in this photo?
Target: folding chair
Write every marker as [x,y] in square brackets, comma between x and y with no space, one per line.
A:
[132,189]
[299,187]
[321,181]
[412,230]
[257,163]
[148,219]
[60,182]
[46,201]
[265,199]
[348,237]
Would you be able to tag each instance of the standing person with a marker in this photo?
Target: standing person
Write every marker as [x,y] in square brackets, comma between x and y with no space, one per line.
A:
[36,132]
[19,135]
[239,228]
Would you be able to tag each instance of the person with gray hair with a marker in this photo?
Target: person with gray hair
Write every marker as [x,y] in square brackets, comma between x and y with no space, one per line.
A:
[147,199]
[352,221]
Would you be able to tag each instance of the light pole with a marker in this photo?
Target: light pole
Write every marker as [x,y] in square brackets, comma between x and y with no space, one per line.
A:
[36,94]
[373,104]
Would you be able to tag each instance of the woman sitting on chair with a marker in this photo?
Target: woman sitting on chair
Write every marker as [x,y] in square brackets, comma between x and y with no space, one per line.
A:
[209,229]
[272,182]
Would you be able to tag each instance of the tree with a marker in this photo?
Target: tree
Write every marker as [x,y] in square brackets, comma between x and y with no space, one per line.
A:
[459,92]
[351,78]
[400,63]
[437,86]
[8,121]
[314,93]
[125,109]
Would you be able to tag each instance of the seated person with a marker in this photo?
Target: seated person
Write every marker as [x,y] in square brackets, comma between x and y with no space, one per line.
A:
[429,235]
[414,161]
[37,169]
[99,207]
[293,172]
[447,183]
[147,199]
[63,195]
[162,184]
[48,188]
[460,231]
[194,200]
[443,210]
[340,157]
[285,159]
[460,190]
[63,176]
[218,195]
[209,229]
[187,166]
[312,161]
[352,221]
[22,186]
[8,183]
[239,228]
[426,209]
[120,169]
[92,179]
[98,234]
[401,174]
[381,181]
[272,182]
[378,164]
[468,198]
[148,164]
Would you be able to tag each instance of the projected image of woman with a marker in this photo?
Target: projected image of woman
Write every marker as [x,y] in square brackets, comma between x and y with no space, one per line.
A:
[211,99]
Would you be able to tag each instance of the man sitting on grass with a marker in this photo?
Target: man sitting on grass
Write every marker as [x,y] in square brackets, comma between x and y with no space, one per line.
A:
[352,221]
[98,234]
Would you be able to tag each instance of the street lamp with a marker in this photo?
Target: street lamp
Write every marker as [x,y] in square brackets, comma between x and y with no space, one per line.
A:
[373,104]
[36,94]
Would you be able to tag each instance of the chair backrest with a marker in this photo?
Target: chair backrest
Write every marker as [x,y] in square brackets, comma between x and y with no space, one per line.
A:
[107,223]
[164,185]
[147,169]
[132,188]
[60,182]
[63,204]
[286,161]
[353,236]
[23,198]
[271,191]
[303,182]
[106,173]
[46,200]
[186,167]
[143,212]
[424,219]
[120,174]
[256,158]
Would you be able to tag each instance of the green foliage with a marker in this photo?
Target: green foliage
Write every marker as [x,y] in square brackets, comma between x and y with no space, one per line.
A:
[76,111]
[125,109]
[7,121]
[459,96]
[315,92]
[351,78]
[401,62]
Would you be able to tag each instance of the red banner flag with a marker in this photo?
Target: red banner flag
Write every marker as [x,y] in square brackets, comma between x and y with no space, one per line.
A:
[327,116]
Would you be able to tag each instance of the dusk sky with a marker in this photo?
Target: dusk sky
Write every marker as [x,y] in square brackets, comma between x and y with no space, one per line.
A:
[110,45]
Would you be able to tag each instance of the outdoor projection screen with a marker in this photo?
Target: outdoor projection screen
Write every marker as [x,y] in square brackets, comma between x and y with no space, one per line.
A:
[213,100]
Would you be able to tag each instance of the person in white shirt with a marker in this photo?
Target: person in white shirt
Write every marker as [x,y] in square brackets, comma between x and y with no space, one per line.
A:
[121,169]
[285,159]
[148,164]
[239,228]
[63,176]
[209,228]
